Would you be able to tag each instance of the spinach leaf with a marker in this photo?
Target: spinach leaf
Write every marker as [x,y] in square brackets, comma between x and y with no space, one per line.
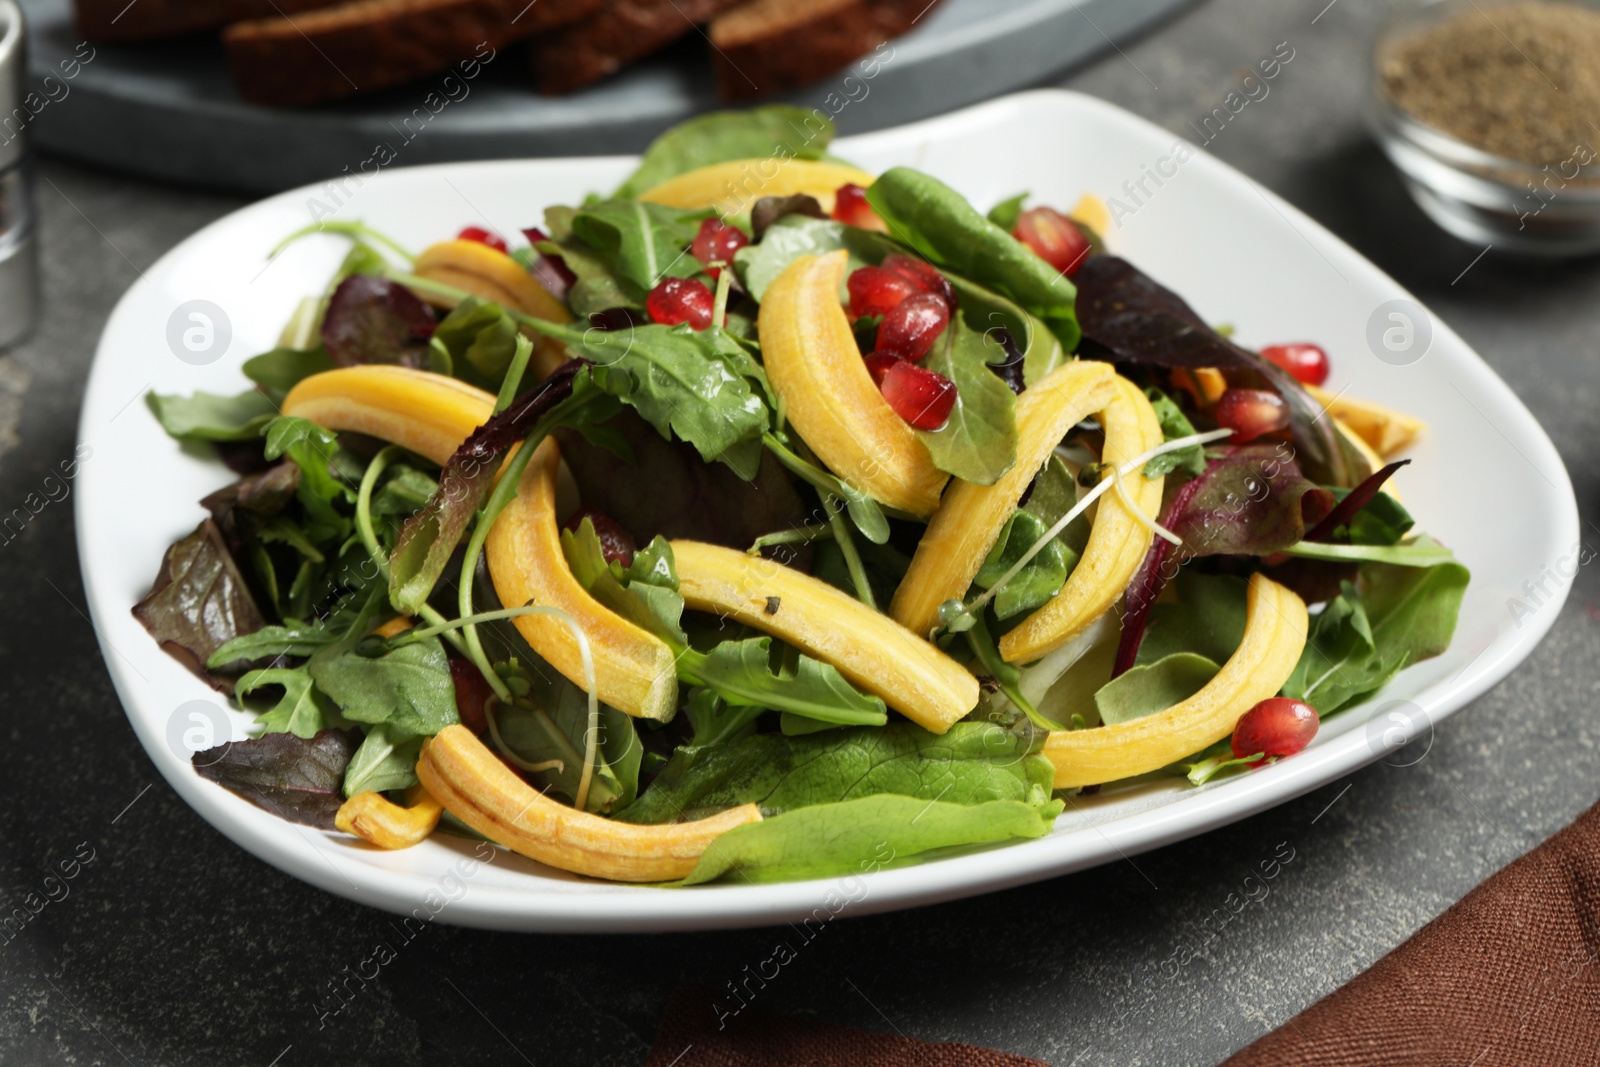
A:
[1207,618]
[937,221]
[641,243]
[688,384]
[409,689]
[1008,212]
[480,339]
[758,133]
[282,369]
[978,443]
[199,602]
[295,778]
[971,764]
[1038,582]
[298,712]
[1153,687]
[210,417]
[998,317]
[387,759]
[860,836]
[1361,640]
[1174,425]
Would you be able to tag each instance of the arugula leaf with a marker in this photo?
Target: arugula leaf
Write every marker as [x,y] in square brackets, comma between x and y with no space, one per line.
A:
[270,642]
[551,725]
[199,602]
[641,243]
[1361,640]
[1153,687]
[971,764]
[294,778]
[409,688]
[857,836]
[298,712]
[387,759]
[1008,212]
[864,511]
[312,448]
[793,236]
[1174,425]
[685,383]
[282,369]
[939,222]
[758,133]
[978,443]
[1038,582]
[210,417]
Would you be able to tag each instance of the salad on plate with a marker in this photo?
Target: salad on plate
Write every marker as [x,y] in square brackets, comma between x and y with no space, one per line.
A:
[767,519]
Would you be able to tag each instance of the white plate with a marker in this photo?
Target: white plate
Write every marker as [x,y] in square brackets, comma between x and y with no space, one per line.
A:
[1486,481]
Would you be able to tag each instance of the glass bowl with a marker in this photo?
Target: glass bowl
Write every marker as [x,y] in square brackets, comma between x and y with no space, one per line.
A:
[1544,210]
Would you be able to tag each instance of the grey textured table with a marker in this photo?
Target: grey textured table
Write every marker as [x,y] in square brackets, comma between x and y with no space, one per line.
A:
[175,947]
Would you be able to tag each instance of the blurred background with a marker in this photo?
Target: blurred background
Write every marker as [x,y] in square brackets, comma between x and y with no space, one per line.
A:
[177,947]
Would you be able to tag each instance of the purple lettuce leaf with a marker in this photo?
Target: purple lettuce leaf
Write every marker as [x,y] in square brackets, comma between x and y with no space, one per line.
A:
[1128,317]
[199,603]
[295,778]
[375,320]
[1354,501]
[241,509]
[429,537]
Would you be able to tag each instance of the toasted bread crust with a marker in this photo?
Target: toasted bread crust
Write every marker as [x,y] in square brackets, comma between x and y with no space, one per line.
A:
[767,46]
[614,35]
[117,20]
[363,45]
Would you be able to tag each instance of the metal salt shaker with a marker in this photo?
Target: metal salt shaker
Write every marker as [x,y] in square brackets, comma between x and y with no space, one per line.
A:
[19,280]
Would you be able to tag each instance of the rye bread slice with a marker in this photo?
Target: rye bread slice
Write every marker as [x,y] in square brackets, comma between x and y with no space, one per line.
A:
[362,45]
[768,46]
[614,35]
[145,20]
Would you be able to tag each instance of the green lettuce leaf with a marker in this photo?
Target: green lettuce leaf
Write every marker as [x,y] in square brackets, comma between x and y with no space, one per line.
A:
[282,369]
[860,836]
[757,133]
[1207,618]
[387,759]
[1153,687]
[210,417]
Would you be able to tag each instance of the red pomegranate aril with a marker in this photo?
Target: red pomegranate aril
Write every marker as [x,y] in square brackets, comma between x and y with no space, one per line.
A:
[1055,238]
[922,397]
[1306,361]
[875,291]
[878,364]
[912,327]
[616,544]
[850,206]
[1275,727]
[923,274]
[716,243]
[1249,413]
[483,237]
[680,300]
[472,695]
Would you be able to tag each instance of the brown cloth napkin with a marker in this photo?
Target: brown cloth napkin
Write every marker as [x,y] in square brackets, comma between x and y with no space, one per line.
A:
[1508,977]
[690,1036]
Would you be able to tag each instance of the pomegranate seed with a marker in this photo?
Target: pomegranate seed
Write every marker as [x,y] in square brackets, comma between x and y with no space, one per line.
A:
[1276,727]
[1306,361]
[472,695]
[850,206]
[922,397]
[483,237]
[878,364]
[1249,413]
[1054,237]
[716,243]
[616,544]
[924,274]
[912,326]
[678,300]
[875,291]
